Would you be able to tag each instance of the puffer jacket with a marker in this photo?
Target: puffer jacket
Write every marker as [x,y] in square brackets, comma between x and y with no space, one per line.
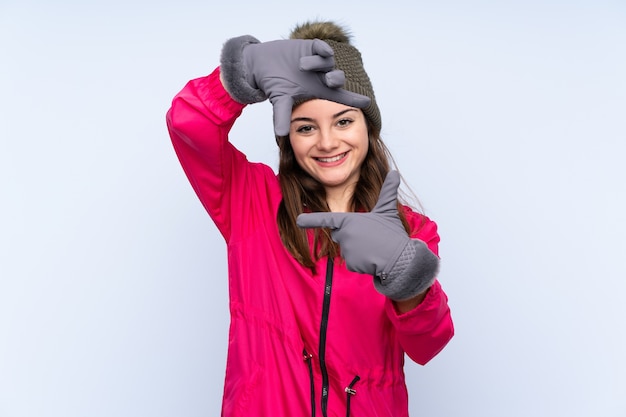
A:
[300,344]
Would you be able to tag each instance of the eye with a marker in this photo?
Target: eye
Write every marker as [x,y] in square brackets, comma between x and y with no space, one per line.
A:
[344,122]
[304,129]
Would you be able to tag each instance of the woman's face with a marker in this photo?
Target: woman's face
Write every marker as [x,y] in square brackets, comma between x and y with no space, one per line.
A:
[330,141]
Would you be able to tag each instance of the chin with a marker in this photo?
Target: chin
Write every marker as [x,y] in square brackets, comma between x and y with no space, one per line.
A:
[334,180]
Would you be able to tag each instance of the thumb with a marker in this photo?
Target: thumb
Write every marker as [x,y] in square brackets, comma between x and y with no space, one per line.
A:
[387,200]
[346,97]
[329,220]
[282,114]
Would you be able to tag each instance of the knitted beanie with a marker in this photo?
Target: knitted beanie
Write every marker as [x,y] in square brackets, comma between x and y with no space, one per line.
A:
[347,58]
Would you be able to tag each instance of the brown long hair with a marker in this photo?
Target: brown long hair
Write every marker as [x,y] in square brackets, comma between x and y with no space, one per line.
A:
[300,190]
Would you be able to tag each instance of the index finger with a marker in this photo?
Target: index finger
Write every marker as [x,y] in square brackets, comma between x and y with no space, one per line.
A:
[328,220]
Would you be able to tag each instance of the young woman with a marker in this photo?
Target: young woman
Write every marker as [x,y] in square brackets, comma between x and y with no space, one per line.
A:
[331,280]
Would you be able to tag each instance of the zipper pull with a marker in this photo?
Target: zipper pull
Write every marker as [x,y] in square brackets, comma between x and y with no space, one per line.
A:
[349,389]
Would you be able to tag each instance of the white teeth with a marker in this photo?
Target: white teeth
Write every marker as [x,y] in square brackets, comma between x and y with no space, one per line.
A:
[333,159]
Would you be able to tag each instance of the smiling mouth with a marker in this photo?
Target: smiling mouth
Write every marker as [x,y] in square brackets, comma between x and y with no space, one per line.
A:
[332,158]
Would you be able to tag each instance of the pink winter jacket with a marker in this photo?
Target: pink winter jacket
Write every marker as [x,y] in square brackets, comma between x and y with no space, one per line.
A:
[300,344]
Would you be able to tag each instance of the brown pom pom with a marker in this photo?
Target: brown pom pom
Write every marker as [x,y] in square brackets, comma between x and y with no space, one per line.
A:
[347,59]
[321,30]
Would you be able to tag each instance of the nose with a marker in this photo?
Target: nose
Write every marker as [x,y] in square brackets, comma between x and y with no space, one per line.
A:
[328,140]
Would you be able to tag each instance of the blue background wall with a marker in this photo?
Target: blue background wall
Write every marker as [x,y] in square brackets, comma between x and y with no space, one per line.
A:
[507,119]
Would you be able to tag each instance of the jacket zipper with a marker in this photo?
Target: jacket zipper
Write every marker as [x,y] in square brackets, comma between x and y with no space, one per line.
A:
[323,329]
[308,358]
[350,392]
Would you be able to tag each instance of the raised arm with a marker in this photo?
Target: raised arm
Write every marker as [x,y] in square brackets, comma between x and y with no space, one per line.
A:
[199,121]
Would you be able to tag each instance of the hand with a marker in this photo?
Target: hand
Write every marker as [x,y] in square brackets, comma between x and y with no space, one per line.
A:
[370,242]
[376,243]
[284,71]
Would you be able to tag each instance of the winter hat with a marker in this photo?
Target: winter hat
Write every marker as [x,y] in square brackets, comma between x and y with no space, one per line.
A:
[347,58]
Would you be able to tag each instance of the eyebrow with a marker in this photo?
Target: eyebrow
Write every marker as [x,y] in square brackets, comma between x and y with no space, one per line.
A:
[309,119]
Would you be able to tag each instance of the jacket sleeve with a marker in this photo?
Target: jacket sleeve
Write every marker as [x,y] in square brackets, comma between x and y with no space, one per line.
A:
[198,121]
[424,331]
